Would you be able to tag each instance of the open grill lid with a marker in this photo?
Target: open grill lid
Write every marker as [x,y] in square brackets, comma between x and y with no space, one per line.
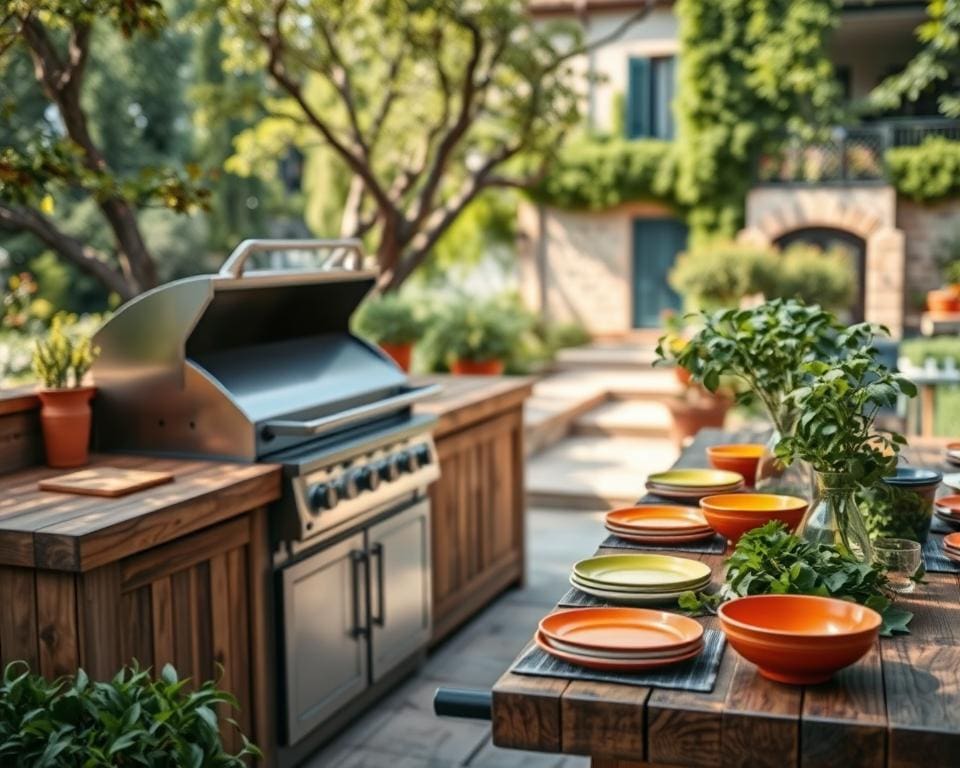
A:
[240,364]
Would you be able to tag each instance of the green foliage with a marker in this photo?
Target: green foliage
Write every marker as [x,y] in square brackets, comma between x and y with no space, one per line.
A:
[771,561]
[749,70]
[389,319]
[131,720]
[838,405]
[938,62]
[468,330]
[938,348]
[564,335]
[63,357]
[897,513]
[927,172]
[765,349]
[720,273]
[596,174]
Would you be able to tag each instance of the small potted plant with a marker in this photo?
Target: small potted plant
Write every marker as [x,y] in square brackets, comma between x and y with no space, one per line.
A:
[60,361]
[391,322]
[836,436]
[475,339]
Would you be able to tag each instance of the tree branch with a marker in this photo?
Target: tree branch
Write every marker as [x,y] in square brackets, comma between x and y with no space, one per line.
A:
[344,86]
[89,259]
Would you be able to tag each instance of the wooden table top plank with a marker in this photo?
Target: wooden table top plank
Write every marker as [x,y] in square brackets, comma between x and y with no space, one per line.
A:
[465,400]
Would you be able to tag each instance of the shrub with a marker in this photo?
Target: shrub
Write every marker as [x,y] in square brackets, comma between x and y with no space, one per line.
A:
[131,720]
[722,273]
[467,330]
[927,172]
[62,357]
[389,319]
[596,174]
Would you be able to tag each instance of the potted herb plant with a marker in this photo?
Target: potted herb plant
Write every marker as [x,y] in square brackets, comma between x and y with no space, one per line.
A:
[763,349]
[393,323]
[475,338]
[836,436]
[60,361]
[130,720]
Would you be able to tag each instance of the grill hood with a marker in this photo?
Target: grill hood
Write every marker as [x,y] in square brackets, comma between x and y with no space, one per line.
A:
[241,365]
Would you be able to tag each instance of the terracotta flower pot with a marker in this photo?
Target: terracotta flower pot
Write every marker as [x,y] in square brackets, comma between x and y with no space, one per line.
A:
[943,301]
[690,415]
[682,374]
[400,353]
[477,367]
[65,417]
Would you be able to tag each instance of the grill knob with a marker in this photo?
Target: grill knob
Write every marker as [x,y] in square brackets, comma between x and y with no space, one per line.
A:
[347,487]
[323,496]
[422,452]
[389,469]
[408,462]
[367,479]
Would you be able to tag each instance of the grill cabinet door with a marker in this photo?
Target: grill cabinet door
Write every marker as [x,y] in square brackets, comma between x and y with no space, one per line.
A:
[324,621]
[399,553]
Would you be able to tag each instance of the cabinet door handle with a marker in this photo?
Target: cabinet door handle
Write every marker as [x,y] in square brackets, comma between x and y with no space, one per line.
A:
[376,551]
[357,558]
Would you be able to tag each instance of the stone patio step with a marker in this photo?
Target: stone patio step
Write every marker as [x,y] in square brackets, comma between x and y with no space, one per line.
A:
[608,355]
[625,418]
[590,472]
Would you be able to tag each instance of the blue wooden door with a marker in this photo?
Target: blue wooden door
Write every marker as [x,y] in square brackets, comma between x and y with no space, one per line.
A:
[656,243]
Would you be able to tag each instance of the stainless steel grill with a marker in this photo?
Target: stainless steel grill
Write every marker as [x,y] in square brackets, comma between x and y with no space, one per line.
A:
[260,365]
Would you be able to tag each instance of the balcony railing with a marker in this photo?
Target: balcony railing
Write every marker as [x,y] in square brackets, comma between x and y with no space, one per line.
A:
[853,154]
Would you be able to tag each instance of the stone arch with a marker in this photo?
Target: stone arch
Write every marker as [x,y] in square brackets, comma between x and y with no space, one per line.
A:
[868,212]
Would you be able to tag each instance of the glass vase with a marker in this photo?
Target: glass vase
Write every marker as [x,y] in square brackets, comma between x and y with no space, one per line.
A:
[834,516]
[775,477]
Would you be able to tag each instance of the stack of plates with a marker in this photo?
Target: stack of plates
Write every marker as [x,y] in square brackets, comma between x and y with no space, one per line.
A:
[620,639]
[653,524]
[953,454]
[951,547]
[693,484]
[947,508]
[639,579]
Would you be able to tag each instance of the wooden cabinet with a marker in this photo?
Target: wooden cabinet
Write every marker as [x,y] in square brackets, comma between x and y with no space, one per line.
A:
[478,503]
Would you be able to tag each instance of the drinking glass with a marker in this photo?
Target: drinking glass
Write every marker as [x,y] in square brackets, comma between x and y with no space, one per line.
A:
[901,558]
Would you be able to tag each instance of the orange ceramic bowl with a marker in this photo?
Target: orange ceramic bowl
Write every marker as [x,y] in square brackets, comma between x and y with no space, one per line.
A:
[733,514]
[799,639]
[737,457]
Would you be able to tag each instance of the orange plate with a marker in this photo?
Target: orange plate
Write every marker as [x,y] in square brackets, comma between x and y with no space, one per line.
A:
[641,531]
[949,504]
[663,540]
[952,541]
[799,639]
[669,492]
[742,458]
[615,665]
[663,518]
[620,629]
[733,514]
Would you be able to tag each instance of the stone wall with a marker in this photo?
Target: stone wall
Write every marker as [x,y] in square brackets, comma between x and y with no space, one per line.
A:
[576,266]
[926,228]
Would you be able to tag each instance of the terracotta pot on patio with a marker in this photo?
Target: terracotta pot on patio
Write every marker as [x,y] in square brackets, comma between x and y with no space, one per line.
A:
[65,419]
[477,367]
[695,411]
[943,301]
[400,353]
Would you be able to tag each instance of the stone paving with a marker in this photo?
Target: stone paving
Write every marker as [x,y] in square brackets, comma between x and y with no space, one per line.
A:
[403,732]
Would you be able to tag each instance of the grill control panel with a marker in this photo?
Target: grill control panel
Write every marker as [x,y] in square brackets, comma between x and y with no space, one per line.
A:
[336,495]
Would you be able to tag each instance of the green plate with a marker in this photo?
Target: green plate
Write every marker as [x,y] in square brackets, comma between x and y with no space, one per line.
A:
[618,571]
[695,478]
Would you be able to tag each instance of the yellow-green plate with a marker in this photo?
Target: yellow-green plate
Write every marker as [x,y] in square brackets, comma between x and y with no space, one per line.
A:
[620,571]
[695,478]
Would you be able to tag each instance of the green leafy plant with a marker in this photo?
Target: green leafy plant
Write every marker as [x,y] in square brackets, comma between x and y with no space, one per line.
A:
[770,560]
[389,319]
[896,513]
[838,405]
[764,348]
[132,720]
[63,356]
[466,330]
[927,172]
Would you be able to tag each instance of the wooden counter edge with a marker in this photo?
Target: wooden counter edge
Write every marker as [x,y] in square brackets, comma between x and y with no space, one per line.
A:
[499,394]
[19,400]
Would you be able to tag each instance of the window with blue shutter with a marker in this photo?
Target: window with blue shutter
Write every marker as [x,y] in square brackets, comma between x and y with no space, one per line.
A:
[651,85]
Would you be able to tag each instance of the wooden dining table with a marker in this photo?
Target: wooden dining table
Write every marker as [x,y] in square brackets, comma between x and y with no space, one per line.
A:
[898,706]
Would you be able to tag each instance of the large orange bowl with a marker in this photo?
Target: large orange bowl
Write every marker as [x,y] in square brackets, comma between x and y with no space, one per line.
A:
[737,457]
[799,639]
[733,514]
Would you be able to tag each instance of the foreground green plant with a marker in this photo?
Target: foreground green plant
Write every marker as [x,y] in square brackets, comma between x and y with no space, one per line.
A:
[133,720]
[771,561]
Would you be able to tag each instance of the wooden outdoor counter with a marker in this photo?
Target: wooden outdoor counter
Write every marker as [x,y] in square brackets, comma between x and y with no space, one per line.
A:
[176,573]
[478,503]
[898,706]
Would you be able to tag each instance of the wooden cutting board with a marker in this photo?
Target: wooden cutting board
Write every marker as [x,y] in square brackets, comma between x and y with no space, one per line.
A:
[105,481]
